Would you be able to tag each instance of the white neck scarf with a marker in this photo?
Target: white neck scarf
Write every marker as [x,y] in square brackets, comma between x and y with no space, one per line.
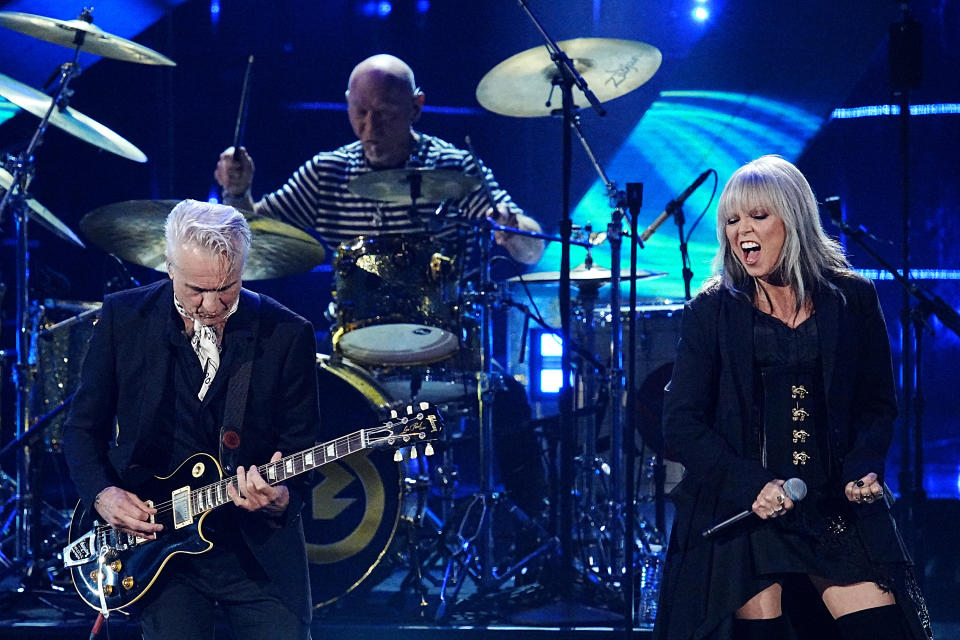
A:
[205,345]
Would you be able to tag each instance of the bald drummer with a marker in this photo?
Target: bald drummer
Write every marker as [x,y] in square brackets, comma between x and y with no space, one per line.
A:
[383,103]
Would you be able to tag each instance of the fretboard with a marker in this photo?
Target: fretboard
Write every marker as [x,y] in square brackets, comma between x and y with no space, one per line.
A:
[215,495]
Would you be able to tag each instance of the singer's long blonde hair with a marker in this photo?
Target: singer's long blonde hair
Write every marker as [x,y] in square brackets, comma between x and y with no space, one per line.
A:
[808,257]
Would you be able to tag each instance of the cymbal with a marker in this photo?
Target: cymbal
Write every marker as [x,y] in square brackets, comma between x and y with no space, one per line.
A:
[133,230]
[394,185]
[521,85]
[41,214]
[69,120]
[95,41]
[582,275]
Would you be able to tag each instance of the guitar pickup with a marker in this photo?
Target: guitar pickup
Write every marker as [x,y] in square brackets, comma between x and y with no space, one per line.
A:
[182,513]
[79,552]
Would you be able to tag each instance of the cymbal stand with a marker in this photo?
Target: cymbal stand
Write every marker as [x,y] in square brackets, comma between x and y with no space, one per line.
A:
[621,508]
[474,537]
[26,539]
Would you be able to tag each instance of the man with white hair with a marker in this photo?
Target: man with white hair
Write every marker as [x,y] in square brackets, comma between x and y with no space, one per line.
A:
[198,364]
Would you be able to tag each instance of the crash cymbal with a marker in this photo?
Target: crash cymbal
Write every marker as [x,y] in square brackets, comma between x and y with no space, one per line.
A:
[133,230]
[394,185]
[41,214]
[95,40]
[69,120]
[582,275]
[522,84]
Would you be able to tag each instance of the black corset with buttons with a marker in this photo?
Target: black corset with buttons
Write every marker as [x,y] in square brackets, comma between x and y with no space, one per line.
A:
[793,434]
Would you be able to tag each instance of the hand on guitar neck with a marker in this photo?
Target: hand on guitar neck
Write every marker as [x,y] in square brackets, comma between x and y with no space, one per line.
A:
[256,494]
[125,511]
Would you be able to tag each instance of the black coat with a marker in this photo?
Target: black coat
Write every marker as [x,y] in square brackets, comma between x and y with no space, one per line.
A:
[709,428]
[123,377]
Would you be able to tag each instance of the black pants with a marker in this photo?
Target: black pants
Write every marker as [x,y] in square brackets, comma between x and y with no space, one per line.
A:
[184,601]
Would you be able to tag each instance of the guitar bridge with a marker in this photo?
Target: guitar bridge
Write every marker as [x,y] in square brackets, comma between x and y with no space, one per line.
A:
[80,551]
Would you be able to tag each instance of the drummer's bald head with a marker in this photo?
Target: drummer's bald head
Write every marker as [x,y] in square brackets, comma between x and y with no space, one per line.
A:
[216,228]
[386,68]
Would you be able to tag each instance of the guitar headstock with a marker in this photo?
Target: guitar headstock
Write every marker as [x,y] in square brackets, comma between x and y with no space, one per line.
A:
[406,427]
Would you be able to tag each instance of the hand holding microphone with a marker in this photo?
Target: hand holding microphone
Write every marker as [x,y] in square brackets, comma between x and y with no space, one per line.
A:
[776,498]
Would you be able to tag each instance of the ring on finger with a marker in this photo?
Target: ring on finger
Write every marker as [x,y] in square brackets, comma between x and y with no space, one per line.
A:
[780,498]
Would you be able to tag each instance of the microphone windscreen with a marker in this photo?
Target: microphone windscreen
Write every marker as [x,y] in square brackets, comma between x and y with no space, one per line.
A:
[795,488]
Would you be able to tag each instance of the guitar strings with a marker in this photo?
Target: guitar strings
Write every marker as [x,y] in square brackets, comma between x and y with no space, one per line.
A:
[166,507]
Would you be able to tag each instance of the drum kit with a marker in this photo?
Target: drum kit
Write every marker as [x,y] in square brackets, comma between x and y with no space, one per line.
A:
[407,326]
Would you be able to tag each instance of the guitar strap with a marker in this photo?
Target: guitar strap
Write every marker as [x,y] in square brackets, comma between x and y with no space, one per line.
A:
[233,416]
[237,389]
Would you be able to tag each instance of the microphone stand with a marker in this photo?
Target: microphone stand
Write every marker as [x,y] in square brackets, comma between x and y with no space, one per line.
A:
[929,304]
[904,62]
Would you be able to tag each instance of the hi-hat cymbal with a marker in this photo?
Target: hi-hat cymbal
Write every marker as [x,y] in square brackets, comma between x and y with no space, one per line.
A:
[133,230]
[69,120]
[95,40]
[582,275]
[396,185]
[41,214]
[522,84]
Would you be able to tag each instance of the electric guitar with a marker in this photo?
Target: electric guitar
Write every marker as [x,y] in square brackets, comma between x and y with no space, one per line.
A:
[112,569]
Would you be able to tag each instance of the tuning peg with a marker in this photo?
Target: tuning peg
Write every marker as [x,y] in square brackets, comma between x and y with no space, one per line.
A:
[413,452]
[424,406]
[397,456]
[393,413]
[428,450]
[409,409]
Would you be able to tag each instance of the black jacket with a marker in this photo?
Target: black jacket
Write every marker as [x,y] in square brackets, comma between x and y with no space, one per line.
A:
[709,428]
[127,367]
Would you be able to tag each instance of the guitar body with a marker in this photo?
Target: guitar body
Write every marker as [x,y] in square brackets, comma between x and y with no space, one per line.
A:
[111,570]
[140,561]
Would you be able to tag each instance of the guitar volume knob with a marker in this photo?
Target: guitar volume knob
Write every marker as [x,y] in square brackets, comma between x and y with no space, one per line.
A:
[127,583]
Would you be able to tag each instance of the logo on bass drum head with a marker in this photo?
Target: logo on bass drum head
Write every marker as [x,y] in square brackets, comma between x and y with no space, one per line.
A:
[351,517]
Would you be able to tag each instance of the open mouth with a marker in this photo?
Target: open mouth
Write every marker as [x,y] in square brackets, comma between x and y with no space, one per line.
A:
[751,252]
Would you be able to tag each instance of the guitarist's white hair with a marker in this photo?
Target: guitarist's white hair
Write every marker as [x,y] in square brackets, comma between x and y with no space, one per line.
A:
[217,228]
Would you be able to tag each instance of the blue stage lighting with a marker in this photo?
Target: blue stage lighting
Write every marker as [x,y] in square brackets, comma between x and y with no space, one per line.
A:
[701,13]
[423,6]
[384,7]
[546,373]
[215,12]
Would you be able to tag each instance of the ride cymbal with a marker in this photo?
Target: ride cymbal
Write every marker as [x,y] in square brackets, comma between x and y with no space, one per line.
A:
[69,120]
[523,85]
[94,39]
[133,230]
[41,214]
[398,185]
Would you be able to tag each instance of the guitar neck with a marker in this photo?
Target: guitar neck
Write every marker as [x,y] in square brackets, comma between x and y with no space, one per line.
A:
[215,495]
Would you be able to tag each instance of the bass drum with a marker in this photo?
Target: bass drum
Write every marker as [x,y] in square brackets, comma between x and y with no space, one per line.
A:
[356,503]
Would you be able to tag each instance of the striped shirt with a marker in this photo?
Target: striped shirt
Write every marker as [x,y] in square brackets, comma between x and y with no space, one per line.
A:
[316,196]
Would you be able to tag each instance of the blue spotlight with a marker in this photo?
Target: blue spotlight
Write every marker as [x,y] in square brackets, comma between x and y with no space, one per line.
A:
[384,7]
[215,12]
[701,13]
[423,6]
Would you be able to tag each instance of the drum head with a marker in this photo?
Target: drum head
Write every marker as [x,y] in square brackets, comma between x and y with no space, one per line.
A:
[398,344]
[352,513]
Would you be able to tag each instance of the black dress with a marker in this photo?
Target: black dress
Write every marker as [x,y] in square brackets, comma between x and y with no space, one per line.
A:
[816,536]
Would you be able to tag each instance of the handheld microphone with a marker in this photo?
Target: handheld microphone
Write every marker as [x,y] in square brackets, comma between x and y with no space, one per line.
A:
[674,204]
[794,488]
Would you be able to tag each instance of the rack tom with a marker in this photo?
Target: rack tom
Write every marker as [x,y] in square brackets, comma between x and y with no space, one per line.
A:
[396,299]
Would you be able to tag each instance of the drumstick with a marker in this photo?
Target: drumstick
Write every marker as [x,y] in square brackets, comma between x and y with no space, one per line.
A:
[483,177]
[242,113]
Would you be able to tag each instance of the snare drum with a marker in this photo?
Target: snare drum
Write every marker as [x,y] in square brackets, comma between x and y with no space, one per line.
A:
[396,299]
